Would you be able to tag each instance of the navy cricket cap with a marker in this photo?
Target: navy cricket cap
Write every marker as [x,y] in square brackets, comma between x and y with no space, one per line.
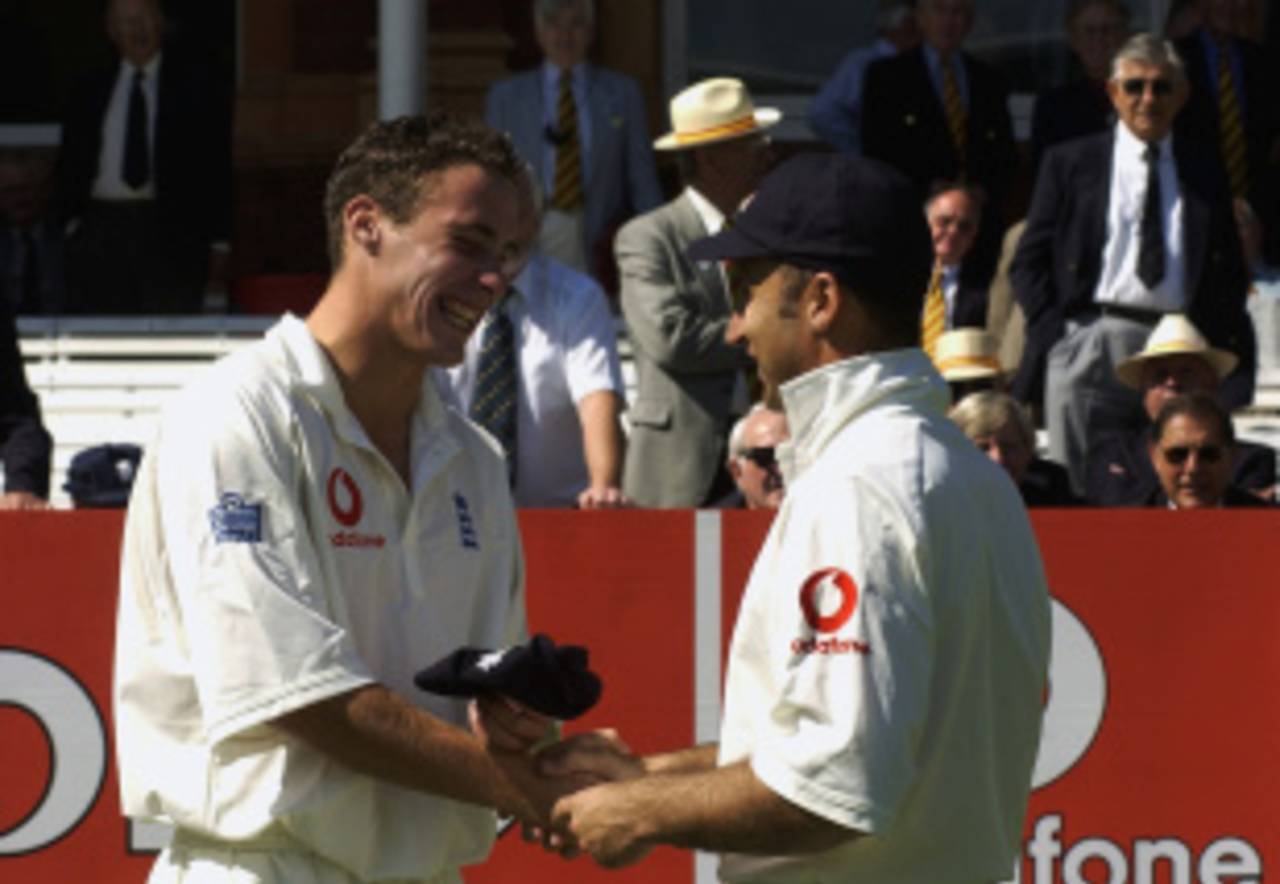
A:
[550,679]
[856,217]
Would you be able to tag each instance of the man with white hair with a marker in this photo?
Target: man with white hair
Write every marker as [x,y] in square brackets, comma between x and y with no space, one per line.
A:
[688,378]
[1125,227]
[753,458]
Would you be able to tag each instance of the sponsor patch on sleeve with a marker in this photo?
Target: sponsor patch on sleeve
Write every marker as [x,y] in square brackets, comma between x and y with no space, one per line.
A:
[234,520]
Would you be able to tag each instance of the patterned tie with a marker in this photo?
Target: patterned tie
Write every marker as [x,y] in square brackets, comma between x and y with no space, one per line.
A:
[136,168]
[566,191]
[1233,151]
[494,404]
[934,321]
[954,109]
[1151,232]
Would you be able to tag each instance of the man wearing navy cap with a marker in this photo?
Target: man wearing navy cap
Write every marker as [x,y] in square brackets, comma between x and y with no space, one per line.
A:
[882,707]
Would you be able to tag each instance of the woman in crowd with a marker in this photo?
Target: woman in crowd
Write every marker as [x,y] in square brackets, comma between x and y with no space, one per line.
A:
[999,426]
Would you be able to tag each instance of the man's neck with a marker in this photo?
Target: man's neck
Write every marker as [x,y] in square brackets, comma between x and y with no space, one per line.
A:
[725,202]
[381,384]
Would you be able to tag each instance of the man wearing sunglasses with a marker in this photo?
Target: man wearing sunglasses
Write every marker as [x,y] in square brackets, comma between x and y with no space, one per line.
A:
[1124,228]
[753,458]
[1191,447]
[1176,361]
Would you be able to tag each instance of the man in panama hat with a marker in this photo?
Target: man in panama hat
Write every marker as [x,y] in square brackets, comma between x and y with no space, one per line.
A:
[689,380]
[1177,360]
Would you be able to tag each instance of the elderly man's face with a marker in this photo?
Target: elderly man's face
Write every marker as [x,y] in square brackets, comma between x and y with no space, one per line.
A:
[1193,462]
[755,469]
[136,28]
[945,23]
[1095,34]
[1147,98]
[1169,376]
[953,226]
[565,35]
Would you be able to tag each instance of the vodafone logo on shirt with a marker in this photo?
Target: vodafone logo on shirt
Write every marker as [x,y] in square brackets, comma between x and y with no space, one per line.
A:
[828,598]
[346,503]
[348,506]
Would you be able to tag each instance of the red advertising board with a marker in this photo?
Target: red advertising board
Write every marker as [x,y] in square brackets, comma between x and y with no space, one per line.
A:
[1157,763]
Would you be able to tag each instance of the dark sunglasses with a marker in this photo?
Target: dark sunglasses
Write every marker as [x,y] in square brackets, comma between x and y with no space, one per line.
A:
[1178,454]
[1160,87]
[764,458]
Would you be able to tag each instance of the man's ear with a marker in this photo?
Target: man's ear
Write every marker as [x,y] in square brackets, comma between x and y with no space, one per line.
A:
[735,468]
[822,301]
[362,223]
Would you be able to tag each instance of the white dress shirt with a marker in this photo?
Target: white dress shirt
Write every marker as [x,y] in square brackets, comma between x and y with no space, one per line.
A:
[566,347]
[110,183]
[1118,283]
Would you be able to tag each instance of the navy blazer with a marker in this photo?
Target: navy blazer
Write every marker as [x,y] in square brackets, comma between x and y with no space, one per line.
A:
[621,181]
[903,124]
[1068,112]
[970,309]
[191,153]
[1059,259]
[1260,112]
[1121,474]
[25,445]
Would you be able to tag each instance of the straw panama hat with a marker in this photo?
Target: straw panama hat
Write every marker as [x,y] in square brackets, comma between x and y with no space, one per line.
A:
[966,354]
[1174,335]
[714,110]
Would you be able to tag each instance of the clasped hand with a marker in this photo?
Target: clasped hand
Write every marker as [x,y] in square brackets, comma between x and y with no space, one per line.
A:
[569,782]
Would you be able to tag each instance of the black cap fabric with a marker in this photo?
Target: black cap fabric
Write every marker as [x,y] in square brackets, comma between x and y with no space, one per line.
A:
[102,476]
[548,679]
[843,213]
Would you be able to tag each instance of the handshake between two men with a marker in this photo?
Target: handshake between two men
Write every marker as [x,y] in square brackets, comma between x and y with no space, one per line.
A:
[564,788]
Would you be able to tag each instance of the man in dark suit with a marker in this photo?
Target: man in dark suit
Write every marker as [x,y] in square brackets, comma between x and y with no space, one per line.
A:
[24,442]
[1123,228]
[144,175]
[1232,106]
[938,114]
[954,214]
[32,272]
[583,129]
[1095,30]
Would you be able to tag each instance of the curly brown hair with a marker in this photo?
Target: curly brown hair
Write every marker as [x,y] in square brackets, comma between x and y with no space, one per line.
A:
[391,160]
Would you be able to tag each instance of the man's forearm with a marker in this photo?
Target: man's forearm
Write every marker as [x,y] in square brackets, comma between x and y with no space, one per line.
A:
[724,809]
[377,733]
[691,760]
[603,444]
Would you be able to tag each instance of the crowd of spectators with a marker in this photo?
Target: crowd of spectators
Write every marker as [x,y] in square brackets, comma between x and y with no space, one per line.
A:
[1154,172]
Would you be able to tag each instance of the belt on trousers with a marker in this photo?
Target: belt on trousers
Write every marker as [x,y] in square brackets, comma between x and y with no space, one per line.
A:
[1136,314]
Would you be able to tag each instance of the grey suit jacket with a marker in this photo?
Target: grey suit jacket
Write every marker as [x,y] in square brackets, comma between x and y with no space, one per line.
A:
[676,312]
[621,181]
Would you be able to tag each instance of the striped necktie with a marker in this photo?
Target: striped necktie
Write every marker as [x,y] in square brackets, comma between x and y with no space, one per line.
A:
[934,321]
[493,406]
[953,106]
[566,190]
[1229,127]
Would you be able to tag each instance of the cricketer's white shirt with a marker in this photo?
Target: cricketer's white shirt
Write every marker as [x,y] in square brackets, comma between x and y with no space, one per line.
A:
[273,558]
[566,348]
[890,655]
